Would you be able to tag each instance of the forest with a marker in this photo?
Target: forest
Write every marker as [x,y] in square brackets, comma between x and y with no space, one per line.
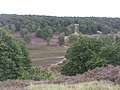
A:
[87,25]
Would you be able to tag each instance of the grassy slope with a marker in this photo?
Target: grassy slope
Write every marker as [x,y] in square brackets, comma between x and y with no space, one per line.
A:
[82,86]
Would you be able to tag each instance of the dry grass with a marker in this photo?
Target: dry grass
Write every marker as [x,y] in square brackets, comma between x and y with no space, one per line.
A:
[45,62]
[46,52]
[46,55]
[82,86]
[39,55]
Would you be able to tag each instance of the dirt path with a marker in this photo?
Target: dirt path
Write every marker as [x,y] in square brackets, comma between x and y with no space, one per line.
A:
[48,58]
[47,51]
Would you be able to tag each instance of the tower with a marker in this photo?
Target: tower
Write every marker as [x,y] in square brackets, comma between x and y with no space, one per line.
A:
[76,28]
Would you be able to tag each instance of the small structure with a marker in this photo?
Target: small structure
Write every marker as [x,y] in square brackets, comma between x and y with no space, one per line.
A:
[99,32]
[76,29]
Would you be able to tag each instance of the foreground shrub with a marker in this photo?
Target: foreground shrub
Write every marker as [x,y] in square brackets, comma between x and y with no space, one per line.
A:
[72,38]
[89,53]
[37,74]
[13,56]
[82,86]
[79,54]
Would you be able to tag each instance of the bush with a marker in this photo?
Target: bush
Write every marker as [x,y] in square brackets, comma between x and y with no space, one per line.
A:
[37,74]
[72,38]
[79,54]
[88,53]
[13,57]
[23,32]
[61,39]
[44,33]
[27,38]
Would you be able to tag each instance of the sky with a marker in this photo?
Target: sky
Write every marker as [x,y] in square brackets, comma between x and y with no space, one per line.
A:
[82,8]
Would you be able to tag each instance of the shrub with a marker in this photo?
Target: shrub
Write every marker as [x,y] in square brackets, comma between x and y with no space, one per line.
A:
[79,54]
[88,53]
[61,38]
[13,56]
[37,74]
[23,32]
[44,33]
[72,38]
[27,38]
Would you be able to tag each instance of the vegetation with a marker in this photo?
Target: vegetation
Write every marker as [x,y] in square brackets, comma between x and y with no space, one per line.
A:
[44,33]
[23,32]
[13,57]
[15,62]
[79,53]
[61,39]
[87,25]
[88,53]
[37,74]
[72,38]
[84,53]
[82,86]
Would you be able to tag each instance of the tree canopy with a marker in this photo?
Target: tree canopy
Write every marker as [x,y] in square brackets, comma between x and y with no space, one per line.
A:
[13,56]
[87,25]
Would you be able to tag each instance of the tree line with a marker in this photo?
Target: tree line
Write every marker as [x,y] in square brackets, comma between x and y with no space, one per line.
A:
[87,25]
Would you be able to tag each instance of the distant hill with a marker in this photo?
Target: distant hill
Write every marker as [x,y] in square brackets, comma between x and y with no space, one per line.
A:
[87,25]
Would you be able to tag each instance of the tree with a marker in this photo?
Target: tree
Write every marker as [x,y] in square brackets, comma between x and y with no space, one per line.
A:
[12,28]
[72,38]
[13,56]
[38,32]
[27,38]
[23,32]
[107,39]
[79,53]
[61,39]
[44,33]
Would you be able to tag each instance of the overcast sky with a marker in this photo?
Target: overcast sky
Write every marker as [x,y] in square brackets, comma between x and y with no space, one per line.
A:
[101,8]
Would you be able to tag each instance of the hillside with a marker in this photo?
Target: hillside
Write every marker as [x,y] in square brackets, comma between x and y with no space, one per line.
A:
[87,25]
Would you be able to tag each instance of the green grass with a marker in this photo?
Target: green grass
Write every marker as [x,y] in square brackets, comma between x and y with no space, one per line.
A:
[82,86]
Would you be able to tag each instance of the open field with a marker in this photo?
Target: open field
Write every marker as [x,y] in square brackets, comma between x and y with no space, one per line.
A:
[45,62]
[44,56]
[41,54]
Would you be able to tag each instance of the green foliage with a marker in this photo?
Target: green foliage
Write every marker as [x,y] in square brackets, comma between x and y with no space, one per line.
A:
[44,33]
[87,25]
[27,38]
[23,32]
[12,28]
[37,74]
[79,54]
[107,39]
[89,53]
[13,57]
[72,38]
[96,61]
[61,39]
[111,53]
